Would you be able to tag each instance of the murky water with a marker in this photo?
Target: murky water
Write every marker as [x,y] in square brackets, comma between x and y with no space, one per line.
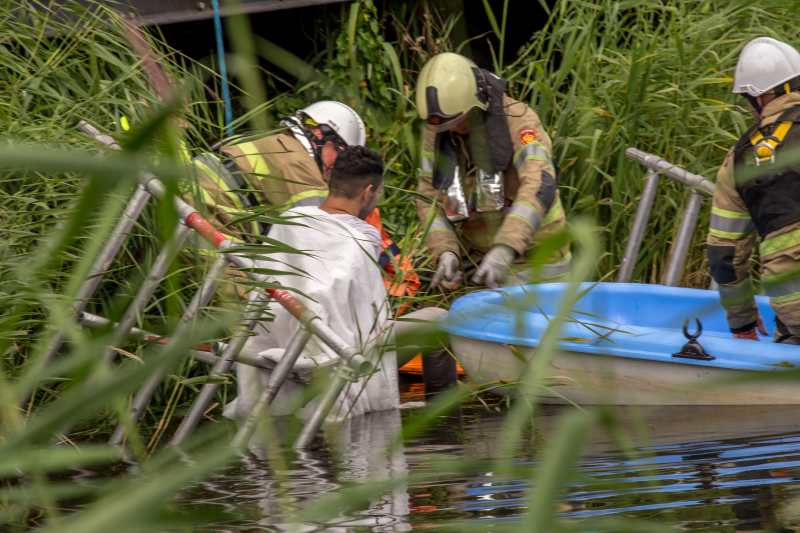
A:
[704,469]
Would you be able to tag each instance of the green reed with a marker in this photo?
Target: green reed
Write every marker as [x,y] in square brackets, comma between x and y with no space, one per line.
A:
[604,75]
[85,71]
[652,75]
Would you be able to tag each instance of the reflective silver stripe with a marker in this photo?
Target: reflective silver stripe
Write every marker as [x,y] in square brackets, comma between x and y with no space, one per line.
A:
[535,152]
[551,271]
[528,213]
[782,284]
[737,294]
[780,243]
[426,164]
[540,273]
[731,225]
[439,224]
[315,201]
[295,126]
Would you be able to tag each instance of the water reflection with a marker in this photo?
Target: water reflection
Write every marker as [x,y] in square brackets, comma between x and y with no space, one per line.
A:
[705,469]
[365,453]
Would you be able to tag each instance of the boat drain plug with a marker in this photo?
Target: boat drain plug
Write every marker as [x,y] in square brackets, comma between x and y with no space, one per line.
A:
[692,349]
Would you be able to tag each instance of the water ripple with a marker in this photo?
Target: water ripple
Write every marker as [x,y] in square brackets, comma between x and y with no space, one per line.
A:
[703,469]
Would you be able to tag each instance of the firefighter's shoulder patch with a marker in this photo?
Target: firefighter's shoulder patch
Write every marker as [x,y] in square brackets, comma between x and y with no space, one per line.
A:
[527,136]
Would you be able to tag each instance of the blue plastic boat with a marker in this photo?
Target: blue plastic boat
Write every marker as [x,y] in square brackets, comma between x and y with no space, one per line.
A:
[618,346]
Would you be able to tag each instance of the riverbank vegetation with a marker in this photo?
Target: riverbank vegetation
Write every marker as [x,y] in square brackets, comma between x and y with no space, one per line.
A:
[603,74]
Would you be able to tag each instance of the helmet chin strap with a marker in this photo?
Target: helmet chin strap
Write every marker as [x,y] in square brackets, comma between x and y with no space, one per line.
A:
[331,137]
[317,144]
[778,91]
[753,103]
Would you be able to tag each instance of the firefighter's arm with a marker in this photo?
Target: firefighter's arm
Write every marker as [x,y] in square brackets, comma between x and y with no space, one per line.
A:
[210,196]
[533,160]
[730,244]
[441,234]
[218,207]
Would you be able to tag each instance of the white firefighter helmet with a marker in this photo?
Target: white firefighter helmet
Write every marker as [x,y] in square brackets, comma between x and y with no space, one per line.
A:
[341,119]
[765,64]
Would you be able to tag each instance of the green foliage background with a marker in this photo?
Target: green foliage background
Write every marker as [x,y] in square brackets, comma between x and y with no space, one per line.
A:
[603,75]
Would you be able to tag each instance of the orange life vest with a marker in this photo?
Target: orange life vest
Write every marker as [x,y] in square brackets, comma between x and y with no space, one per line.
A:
[391,260]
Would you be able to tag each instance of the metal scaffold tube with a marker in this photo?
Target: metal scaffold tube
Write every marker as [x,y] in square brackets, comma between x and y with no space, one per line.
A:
[221,367]
[700,186]
[95,321]
[637,229]
[123,329]
[350,356]
[202,227]
[200,300]
[101,265]
[147,290]
[683,239]
[324,407]
[665,168]
[276,380]
[202,352]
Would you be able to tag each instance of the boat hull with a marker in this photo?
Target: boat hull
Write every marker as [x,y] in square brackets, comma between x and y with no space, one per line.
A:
[592,379]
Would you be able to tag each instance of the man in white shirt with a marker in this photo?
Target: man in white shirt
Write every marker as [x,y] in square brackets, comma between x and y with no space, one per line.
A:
[338,277]
[355,188]
[354,195]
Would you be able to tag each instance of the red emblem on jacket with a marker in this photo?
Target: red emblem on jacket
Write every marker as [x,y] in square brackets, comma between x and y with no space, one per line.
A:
[527,136]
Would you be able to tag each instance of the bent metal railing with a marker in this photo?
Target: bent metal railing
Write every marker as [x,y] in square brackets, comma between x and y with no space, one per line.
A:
[700,187]
[352,364]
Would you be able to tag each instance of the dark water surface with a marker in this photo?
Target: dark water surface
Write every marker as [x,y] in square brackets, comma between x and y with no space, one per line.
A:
[704,469]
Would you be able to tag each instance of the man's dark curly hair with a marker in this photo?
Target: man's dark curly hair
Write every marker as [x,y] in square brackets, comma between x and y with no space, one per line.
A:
[354,169]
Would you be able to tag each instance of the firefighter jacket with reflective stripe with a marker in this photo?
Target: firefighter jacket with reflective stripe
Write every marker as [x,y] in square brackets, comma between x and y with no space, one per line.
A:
[751,199]
[279,171]
[275,171]
[530,184]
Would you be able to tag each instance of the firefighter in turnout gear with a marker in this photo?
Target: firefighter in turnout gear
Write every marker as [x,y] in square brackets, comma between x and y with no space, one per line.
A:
[757,197]
[487,167]
[279,170]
